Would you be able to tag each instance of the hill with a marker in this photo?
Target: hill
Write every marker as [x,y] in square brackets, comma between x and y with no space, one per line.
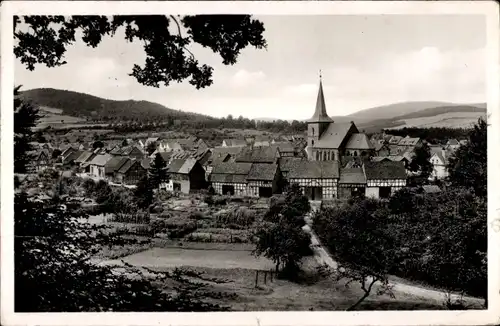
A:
[87,106]
[396,109]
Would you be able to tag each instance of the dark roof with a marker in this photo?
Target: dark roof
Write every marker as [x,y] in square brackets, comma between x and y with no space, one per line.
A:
[72,156]
[359,141]
[352,176]
[313,169]
[287,162]
[320,114]
[230,172]
[260,171]
[220,154]
[384,170]
[127,165]
[285,147]
[334,135]
[115,163]
[176,165]
[86,155]
[166,156]
[267,154]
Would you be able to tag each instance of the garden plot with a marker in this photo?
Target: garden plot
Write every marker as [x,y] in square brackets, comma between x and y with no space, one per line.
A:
[178,257]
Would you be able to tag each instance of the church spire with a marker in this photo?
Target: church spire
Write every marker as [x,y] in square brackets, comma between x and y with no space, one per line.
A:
[320,114]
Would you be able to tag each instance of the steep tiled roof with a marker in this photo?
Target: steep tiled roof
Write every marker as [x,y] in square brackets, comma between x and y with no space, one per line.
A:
[260,171]
[334,135]
[287,162]
[72,156]
[267,154]
[166,156]
[359,141]
[394,140]
[381,158]
[127,165]
[453,142]
[313,170]
[285,147]
[86,155]
[353,175]
[181,166]
[100,160]
[384,170]
[115,163]
[320,114]
[230,172]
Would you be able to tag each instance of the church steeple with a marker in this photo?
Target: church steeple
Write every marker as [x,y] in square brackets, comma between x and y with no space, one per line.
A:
[320,114]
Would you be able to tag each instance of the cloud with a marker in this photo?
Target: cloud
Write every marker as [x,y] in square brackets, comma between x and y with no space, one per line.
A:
[244,78]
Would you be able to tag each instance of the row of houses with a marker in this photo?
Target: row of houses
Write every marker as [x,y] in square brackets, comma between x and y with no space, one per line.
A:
[319,180]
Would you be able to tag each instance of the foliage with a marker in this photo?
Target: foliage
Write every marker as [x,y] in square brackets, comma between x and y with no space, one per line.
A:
[144,193]
[158,171]
[360,242]
[175,227]
[97,144]
[280,236]
[46,38]
[240,217]
[468,165]
[421,161]
[433,135]
[25,118]
[54,271]
[151,147]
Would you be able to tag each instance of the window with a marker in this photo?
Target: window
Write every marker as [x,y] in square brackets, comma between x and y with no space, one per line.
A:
[312,131]
[312,142]
[355,153]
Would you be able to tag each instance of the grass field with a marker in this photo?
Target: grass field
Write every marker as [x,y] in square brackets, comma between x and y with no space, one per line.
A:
[448,120]
[238,269]
[177,257]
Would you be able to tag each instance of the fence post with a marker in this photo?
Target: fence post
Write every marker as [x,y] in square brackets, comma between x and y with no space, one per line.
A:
[265,277]
[256,277]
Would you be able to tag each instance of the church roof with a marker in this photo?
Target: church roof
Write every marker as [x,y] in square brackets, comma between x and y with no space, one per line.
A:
[359,141]
[334,135]
[320,114]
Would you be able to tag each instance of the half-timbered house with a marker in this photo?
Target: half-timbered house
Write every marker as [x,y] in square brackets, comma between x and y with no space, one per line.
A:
[352,183]
[230,178]
[263,180]
[317,179]
[384,178]
[132,171]
[185,175]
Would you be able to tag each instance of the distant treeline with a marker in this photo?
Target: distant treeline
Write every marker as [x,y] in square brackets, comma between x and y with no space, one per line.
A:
[438,135]
[168,123]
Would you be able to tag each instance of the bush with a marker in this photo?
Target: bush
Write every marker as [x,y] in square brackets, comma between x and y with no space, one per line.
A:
[175,227]
[240,217]
[209,200]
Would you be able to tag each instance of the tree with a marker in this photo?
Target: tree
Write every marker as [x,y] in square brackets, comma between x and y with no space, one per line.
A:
[151,147]
[158,171]
[25,118]
[54,271]
[421,161]
[97,144]
[280,236]
[46,39]
[468,165]
[357,237]
[144,193]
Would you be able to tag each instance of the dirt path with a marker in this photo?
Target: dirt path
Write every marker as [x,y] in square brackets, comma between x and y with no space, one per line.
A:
[323,257]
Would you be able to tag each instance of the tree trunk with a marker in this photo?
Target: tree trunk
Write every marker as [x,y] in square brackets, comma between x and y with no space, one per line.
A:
[358,302]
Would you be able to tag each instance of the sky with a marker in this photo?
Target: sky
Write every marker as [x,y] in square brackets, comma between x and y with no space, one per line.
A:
[366,61]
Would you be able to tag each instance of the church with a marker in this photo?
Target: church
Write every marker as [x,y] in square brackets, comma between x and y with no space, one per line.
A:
[328,140]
